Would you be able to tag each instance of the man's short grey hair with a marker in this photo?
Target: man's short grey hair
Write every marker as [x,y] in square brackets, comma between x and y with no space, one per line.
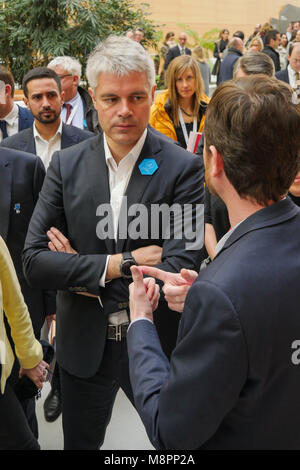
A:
[254,62]
[119,56]
[70,64]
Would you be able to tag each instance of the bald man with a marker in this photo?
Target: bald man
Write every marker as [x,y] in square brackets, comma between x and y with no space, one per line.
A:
[180,49]
[235,51]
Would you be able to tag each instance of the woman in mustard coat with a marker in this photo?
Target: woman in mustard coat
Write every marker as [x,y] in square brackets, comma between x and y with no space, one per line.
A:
[181,108]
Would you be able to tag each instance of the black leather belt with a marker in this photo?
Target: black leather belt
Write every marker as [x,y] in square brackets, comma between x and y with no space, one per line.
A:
[117,332]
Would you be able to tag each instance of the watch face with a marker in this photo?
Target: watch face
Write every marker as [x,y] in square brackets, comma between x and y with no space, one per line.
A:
[126,268]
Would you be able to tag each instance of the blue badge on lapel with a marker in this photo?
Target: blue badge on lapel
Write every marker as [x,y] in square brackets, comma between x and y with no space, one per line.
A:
[148,166]
[17,208]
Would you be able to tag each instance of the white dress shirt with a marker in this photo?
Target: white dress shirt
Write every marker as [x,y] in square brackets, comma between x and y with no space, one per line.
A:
[77,112]
[45,148]
[12,122]
[119,176]
[292,76]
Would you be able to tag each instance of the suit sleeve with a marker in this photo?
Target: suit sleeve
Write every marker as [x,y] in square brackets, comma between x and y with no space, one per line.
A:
[51,270]
[39,176]
[169,57]
[183,248]
[183,404]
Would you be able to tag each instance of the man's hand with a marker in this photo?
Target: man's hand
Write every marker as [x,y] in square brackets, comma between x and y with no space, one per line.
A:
[49,319]
[140,292]
[37,374]
[58,242]
[148,255]
[61,244]
[176,285]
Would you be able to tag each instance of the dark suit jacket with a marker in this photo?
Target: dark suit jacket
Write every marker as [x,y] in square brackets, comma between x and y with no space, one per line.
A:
[25,118]
[274,56]
[227,65]
[24,140]
[232,383]
[75,186]
[283,75]
[174,52]
[21,179]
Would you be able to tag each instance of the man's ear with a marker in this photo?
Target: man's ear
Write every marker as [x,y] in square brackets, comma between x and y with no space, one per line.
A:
[92,95]
[26,102]
[216,161]
[153,93]
[62,96]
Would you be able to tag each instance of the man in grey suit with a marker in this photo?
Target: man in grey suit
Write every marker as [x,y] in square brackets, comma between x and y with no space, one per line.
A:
[234,377]
[89,208]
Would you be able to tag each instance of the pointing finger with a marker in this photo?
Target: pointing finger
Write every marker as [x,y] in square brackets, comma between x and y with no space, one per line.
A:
[154,272]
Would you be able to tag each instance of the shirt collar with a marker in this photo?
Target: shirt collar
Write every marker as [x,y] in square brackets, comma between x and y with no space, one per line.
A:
[133,155]
[37,134]
[74,100]
[225,237]
[12,115]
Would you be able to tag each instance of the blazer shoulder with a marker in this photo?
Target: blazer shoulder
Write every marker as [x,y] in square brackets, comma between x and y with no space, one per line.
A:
[11,154]
[73,131]
[15,140]
[283,75]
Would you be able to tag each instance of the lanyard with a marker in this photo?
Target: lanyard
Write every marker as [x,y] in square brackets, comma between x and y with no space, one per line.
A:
[183,126]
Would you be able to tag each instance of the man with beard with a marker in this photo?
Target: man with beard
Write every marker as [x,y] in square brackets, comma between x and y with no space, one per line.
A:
[44,97]
[233,380]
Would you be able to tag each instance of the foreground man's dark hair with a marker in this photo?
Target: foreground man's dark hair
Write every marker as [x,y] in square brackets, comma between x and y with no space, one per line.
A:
[254,123]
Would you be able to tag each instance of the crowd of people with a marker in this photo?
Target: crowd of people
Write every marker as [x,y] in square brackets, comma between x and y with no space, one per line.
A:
[204,353]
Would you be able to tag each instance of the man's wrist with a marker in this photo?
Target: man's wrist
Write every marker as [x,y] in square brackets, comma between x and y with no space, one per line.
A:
[113,267]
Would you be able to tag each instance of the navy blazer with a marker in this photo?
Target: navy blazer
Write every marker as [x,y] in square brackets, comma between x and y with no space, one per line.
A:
[283,75]
[24,140]
[25,118]
[174,52]
[227,65]
[75,187]
[21,179]
[233,381]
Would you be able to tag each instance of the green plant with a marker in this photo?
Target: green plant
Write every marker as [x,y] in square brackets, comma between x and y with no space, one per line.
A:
[207,40]
[32,32]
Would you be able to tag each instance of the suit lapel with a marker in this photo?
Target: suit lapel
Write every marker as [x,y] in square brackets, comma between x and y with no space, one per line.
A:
[68,138]
[27,142]
[5,196]
[99,180]
[138,182]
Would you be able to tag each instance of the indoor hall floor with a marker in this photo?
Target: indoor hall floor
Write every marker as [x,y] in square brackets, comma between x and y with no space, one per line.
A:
[125,431]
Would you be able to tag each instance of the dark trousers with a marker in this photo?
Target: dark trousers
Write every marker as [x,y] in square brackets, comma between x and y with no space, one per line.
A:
[87,403]
[15,433]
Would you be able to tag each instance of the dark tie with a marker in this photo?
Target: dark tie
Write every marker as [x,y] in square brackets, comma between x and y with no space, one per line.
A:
[68,107]
[3,129]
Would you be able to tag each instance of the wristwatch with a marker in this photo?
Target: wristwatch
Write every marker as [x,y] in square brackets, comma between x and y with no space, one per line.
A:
[126,263]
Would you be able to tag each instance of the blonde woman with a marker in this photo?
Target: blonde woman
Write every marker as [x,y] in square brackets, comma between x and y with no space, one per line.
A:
[198,54]
[14,430]
[256,44]
[181,108]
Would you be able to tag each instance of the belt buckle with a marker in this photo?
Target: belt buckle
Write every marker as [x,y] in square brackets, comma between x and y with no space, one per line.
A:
[118,332]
